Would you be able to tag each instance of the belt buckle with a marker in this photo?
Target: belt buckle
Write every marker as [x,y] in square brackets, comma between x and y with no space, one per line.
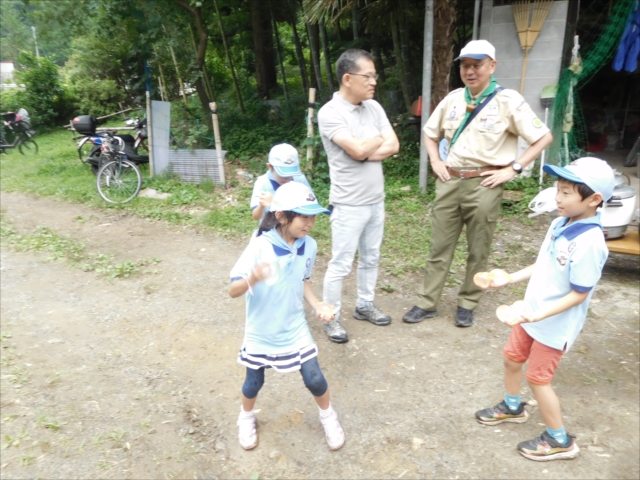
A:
[462,174]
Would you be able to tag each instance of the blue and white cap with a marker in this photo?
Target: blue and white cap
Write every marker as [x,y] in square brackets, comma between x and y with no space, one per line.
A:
[478,50]
[296,197]
[593,172]
[284,160]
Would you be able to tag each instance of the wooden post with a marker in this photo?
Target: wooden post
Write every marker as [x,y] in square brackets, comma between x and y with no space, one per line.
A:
[312,99]
[216,135]
[149,134]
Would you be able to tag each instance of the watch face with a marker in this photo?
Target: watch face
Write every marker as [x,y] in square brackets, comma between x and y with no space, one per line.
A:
[517,167]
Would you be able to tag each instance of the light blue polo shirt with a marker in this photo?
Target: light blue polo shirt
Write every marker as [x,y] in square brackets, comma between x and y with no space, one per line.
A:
[276,322]
[571,258]
[267,183]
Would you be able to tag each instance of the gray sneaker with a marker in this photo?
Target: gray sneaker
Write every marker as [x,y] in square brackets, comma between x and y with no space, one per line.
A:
[373,315]
[335,331]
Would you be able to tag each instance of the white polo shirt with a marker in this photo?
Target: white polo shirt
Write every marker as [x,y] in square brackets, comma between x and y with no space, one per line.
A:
[571,258]
[276,322]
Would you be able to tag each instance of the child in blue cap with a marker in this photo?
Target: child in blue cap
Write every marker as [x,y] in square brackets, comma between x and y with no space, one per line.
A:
[273,271]
[561,284]
[283,166]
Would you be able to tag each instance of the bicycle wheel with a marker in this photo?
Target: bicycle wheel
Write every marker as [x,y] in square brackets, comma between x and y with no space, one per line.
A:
[28,147]
[118,181]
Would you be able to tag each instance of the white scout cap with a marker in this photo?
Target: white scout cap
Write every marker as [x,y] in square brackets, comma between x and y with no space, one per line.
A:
[478,49]
[593,172]
[284,160]
[296,197]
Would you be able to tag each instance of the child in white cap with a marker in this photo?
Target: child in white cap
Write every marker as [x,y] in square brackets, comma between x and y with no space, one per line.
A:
[283,166]
[274,270]
[561,284]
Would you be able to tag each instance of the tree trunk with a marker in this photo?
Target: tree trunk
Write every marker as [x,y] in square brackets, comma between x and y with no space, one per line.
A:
[280,61]
[266,76]
[355,22]
[205,77]
[377,55]
[229,59]
[314,47]
[299,55]
[399,63]
[201,48]
[444,17]
[406,58]
[327,58]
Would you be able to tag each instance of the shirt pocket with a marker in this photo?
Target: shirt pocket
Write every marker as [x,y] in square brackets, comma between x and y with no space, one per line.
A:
[450,127]
[491,128]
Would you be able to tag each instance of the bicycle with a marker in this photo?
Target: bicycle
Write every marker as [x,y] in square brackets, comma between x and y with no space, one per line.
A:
[118,179]
[20,126]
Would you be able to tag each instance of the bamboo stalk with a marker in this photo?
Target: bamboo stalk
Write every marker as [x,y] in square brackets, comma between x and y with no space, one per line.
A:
[216,135]
[229,58]
[312,99]
[164,82]
[150,134]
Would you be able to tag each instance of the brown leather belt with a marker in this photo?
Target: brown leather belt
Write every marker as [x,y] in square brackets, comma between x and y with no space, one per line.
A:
[465,173]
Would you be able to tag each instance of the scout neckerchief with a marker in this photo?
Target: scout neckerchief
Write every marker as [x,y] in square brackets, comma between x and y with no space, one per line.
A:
[471,106]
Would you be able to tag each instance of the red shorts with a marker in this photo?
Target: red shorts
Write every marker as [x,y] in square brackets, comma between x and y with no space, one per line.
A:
[543,360]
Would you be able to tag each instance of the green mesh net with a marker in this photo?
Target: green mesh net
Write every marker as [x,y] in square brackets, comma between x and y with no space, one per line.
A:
[598,47]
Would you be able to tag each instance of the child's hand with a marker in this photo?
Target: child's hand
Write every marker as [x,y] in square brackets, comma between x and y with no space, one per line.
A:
[260,272]
[265,199]
[519,312]
[324,311]
[494,279]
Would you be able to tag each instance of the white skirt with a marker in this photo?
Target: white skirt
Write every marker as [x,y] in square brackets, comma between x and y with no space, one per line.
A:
[283,363]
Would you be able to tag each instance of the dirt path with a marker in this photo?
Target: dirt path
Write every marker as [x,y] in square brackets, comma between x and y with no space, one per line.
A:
[137,378]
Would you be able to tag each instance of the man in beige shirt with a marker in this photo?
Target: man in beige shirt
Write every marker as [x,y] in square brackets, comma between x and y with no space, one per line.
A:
[481,158]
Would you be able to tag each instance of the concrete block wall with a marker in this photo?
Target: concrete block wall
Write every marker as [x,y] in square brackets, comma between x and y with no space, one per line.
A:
[543,66]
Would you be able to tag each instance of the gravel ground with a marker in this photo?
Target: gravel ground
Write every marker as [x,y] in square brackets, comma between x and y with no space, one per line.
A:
[137,377]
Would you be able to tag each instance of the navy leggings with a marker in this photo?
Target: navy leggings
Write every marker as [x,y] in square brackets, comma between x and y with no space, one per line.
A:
[311,375]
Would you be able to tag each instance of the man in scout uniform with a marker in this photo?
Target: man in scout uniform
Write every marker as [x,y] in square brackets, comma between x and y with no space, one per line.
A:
[481,124]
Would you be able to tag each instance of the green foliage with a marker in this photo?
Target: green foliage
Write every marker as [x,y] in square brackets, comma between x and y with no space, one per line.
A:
[44,96]
[96,97]
[261,127]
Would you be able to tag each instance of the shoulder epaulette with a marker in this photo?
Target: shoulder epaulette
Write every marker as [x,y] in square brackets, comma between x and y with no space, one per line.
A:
[454,91]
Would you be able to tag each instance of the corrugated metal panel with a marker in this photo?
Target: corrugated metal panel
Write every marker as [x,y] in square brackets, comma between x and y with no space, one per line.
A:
[194,166]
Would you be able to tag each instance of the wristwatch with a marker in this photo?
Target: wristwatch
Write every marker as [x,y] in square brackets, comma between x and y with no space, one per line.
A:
[517,167]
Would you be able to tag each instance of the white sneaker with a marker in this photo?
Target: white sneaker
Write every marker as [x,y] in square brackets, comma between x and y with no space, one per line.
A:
[333,431]
[247,434]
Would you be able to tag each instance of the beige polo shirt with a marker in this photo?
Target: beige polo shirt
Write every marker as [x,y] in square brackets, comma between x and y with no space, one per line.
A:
[492,137]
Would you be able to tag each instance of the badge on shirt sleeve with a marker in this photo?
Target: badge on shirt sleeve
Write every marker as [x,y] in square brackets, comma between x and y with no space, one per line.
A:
[536,122]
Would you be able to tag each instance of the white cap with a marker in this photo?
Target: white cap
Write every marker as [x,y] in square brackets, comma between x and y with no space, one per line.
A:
[593,172]
[284,160]
[478,49]
[296,197]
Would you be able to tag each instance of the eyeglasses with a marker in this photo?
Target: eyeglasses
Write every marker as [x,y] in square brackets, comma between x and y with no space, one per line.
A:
[475,68]
[369,77]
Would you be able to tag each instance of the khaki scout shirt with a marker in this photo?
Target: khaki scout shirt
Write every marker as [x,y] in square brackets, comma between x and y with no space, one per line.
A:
[492,137]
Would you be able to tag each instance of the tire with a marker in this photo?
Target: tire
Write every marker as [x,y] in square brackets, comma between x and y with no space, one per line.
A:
[118,181]
[28,147]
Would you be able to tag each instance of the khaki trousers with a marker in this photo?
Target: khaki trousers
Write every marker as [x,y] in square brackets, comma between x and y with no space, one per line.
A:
[459,202]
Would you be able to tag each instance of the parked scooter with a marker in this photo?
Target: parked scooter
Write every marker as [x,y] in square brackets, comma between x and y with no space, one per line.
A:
[141,132]
[19,126]
[90,145]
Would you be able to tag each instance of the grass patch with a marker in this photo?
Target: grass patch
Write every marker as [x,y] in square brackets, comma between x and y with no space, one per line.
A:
[57,172]
[64,248]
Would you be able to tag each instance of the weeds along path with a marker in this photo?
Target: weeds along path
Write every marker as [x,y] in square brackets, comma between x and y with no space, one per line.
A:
[109,376]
